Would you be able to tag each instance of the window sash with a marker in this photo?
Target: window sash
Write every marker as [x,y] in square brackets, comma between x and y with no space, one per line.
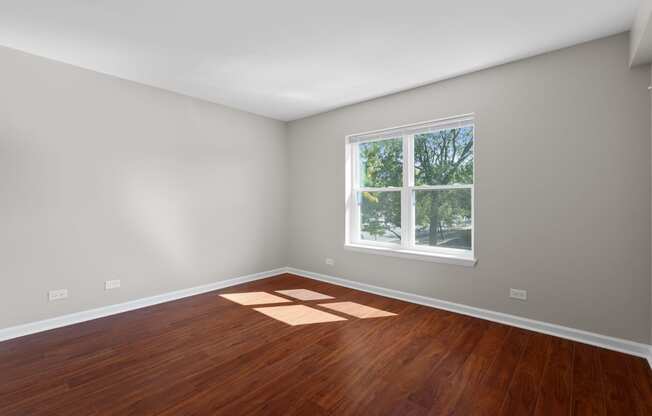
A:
[408,195]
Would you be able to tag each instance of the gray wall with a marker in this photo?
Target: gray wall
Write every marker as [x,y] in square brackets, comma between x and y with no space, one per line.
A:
[106,179]
[102,178]
[562,189]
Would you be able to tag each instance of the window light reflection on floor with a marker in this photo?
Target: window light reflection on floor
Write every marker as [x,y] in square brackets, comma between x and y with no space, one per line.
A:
[304,294]
[254,298]
[357,310]
[299,315]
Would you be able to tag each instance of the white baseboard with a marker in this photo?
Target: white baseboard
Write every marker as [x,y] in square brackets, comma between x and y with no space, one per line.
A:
[604,341]
[73,318]
[598,340]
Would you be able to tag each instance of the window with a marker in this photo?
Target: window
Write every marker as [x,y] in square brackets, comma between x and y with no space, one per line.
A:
[410,191]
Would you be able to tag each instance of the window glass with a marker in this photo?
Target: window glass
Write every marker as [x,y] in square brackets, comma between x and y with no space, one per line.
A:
[380,216]
[381,163]
[444,157]
[443,218]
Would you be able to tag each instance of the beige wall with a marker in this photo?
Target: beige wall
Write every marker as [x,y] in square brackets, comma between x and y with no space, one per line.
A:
[106,179]
[562,189]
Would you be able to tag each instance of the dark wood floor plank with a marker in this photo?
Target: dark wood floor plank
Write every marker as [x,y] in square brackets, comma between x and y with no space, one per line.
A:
[556,386]
[525,386]
[472,371]
[207,355]
[487,396]
[619,397]
[441,374]
[640,375]
[588,393]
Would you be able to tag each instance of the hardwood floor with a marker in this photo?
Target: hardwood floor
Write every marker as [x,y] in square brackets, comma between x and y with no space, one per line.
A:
[207,355]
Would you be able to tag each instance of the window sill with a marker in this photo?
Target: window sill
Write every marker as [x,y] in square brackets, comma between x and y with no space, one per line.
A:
[467,261]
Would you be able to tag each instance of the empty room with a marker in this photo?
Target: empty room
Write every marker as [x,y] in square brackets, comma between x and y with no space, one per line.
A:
[325,208]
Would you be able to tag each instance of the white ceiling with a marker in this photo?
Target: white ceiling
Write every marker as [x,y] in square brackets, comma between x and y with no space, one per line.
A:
[288,59]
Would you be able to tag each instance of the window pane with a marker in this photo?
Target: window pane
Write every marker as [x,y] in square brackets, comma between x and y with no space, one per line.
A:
[381,163]
[380,216]
[444,157]
[443,218]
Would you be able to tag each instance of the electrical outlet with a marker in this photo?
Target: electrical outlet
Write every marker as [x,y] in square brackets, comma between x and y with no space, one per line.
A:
[57,294]
[111,284]
[518,294]
[330,261]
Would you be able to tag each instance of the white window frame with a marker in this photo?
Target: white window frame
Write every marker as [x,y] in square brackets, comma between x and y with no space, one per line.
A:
[407,248]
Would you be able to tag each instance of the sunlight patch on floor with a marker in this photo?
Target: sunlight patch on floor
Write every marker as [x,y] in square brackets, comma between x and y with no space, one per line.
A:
[254,298]
[304,294]
[298,315]
[357,310]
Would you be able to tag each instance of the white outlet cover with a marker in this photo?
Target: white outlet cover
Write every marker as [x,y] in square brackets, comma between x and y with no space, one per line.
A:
[57,294]
[518,294]
[111,284]
[330,261]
